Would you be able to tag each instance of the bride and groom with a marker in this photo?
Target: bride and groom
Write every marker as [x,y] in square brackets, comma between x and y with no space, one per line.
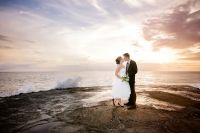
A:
[124,83]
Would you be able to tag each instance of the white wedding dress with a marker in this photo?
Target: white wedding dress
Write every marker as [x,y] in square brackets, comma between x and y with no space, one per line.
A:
[120,89]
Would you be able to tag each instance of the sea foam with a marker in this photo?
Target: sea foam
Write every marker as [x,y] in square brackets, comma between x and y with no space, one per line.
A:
[60,84]
[197,85]
[68,83]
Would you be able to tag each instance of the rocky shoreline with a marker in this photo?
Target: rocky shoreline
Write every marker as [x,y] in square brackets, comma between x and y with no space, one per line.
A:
[159,109]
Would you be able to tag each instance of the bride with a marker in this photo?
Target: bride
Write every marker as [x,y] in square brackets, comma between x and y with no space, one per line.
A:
[120,88]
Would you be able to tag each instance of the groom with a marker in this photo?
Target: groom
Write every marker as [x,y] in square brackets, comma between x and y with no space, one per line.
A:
[131,70]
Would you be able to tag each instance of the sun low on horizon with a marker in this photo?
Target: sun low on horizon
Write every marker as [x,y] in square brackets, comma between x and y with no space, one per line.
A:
[53,35]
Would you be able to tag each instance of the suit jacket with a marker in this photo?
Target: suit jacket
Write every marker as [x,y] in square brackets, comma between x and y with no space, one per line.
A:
[132,70]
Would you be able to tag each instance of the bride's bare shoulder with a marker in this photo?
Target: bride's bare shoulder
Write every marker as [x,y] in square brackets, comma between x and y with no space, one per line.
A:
[118,67]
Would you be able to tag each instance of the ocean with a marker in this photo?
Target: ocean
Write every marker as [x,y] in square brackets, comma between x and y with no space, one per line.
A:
[14,83]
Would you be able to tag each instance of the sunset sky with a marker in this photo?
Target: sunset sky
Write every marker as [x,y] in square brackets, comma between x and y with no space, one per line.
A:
[51,35]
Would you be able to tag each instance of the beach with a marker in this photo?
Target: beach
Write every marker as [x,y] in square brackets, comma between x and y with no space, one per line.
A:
[161,108]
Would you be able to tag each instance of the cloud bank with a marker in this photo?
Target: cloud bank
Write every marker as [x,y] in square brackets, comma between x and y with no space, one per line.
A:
[50,35]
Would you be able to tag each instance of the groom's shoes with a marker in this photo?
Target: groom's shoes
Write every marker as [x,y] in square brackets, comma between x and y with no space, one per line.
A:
[132,107]
[128,104]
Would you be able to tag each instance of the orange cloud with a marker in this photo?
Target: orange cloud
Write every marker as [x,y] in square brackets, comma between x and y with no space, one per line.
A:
[178,29]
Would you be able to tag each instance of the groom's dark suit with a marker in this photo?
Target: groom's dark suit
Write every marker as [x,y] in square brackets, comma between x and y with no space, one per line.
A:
[131,70]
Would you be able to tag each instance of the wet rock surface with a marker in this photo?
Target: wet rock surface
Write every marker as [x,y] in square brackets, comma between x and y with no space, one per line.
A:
[159,109]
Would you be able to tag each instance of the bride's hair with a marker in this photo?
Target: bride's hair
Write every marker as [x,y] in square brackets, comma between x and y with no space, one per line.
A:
[118,60]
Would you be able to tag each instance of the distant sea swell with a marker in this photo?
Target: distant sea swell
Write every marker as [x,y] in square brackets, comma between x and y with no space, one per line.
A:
[16,83]
[63,84]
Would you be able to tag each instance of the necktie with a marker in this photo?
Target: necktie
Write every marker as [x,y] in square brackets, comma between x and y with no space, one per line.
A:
[127,65]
